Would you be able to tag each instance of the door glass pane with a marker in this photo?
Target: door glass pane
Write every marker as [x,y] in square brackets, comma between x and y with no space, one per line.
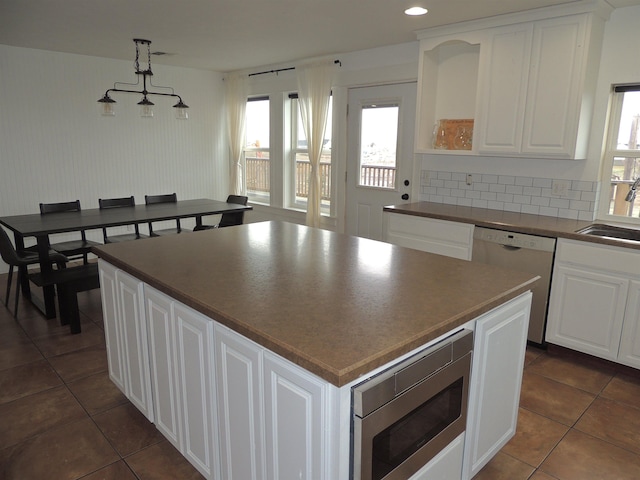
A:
[378,146]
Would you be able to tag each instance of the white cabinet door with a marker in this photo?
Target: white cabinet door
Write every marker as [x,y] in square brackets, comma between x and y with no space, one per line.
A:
[504,81]
[630,345]
[134,338]
[162,351]
[112,325]
[494,393]
[295,419]
[240,399]
[586,310]
[194,354]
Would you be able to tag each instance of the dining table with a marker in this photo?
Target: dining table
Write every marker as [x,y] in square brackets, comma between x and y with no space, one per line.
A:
[41,226]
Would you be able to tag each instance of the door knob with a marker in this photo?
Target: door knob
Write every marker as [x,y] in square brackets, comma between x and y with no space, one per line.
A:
[405,196]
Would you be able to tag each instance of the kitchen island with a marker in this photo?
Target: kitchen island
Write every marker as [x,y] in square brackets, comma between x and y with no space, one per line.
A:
[242,344]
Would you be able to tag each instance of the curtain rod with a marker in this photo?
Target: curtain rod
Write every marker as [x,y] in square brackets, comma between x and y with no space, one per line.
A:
[338,62]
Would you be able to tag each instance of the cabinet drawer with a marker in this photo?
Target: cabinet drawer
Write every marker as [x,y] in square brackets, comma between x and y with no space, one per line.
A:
[603,257]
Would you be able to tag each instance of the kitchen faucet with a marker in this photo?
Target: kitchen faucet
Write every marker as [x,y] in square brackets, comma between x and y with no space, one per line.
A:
[632,191]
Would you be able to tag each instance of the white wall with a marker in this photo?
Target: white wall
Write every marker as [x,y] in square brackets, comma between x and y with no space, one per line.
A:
[55,146]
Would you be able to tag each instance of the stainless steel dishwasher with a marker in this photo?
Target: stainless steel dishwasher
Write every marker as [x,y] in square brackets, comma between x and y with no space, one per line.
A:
[527,253]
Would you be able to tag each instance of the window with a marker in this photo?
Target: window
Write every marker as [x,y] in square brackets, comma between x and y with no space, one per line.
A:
[256,150]
[621,168]
[300,166]
[378,146]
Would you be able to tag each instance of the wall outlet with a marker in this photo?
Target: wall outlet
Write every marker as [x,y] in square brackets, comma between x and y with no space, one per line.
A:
[469,179]
[424,178]
[560,188]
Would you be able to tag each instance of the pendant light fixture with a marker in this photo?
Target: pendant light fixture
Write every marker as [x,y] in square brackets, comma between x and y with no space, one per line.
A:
[146,106]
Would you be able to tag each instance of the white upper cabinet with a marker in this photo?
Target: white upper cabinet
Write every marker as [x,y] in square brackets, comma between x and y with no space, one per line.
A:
[526,81]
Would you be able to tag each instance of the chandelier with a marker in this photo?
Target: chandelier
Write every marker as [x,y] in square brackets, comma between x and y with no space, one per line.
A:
[146,105]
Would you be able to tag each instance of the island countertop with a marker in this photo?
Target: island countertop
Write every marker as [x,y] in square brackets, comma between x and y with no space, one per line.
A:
[338,306]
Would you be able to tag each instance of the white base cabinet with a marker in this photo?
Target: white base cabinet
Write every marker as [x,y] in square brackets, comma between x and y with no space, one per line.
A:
[236,410]
[181,349]
[594,305]
[447,465]
[496,378]
[240,394]
[442,237]
[126,336]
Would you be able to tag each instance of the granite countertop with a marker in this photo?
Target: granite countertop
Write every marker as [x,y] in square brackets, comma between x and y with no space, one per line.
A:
[339,306]
[512,221]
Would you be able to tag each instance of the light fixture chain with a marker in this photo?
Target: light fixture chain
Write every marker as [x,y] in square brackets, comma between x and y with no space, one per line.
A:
[137,62]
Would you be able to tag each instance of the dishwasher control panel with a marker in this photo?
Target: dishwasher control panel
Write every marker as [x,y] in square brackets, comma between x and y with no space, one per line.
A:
[514,239]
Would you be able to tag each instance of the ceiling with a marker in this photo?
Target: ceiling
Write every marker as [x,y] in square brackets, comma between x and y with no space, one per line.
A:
[226,35]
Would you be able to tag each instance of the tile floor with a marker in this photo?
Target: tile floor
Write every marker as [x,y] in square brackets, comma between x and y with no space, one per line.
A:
[61,418]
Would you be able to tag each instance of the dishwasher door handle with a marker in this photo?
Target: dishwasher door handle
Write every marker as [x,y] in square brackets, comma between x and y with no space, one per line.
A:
[510,247]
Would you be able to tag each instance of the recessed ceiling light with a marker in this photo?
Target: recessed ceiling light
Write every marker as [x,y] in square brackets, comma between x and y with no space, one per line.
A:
[416,11]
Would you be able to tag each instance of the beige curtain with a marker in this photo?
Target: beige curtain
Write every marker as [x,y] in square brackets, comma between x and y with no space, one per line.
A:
[236,93]
[314,91]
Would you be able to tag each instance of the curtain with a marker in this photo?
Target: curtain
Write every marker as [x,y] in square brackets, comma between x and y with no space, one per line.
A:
[314,91]
[236,94]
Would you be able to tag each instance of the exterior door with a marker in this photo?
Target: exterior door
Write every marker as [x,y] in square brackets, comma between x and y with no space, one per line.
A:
[380,131]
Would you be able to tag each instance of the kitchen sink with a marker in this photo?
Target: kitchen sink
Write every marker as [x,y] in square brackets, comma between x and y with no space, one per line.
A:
[610,231]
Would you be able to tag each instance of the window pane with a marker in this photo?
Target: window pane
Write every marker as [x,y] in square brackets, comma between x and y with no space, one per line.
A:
[257,129]
[302,164]
[257,172]
[257,165]
[302,137]
[624,171]
[378,145]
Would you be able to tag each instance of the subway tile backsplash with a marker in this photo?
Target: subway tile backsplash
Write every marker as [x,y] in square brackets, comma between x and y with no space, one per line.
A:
[512,193]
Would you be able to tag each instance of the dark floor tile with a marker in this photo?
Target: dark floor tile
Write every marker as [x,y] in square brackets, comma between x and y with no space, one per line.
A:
[582,457]
[10,330]
[162,462]
[535,437]
[116,471]
[504,467]
[625,389]
[541,476]
[63,342]
[127,429]
[36,325]
[26,379]
[81,363]
[63,453]
[531,354]
[97,393]
[90,304]
[37,413]
[572,371]
[18,352]
[613,422]
[552,399]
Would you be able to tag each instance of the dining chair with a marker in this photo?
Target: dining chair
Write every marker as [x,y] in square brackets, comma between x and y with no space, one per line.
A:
[20,259]
[124,202]
[72,248]
[166,198]
[228,219]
